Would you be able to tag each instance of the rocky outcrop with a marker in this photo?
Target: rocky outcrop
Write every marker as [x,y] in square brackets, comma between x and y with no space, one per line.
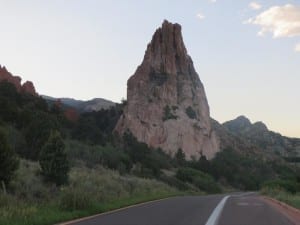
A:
[240,133]
[27,87]
[166,102]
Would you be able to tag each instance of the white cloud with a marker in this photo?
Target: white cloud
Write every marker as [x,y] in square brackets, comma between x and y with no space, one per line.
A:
[200,16]
[255,5]
[281,21]
[297,47]
[213,1]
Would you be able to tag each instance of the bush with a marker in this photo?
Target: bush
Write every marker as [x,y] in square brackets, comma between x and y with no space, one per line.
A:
[28,183]
[8,160]
[175,182]
[286,185]
[191,113]
[53,160]
[201,180]
[168,114]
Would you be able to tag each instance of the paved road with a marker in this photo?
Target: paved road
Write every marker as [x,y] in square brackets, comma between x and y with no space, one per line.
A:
[237,209]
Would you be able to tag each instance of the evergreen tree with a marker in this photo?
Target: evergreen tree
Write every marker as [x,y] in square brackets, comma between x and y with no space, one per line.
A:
[180,157]
[8,160]
[53,159]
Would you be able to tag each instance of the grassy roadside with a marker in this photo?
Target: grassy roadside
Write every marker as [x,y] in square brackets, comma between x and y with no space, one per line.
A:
[283,196]
[90,191]
[35,214]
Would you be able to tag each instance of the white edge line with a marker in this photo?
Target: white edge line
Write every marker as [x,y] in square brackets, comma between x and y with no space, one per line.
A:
[214,217]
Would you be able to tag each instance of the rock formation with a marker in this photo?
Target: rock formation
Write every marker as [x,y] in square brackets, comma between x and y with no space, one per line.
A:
[256,135]
[27,87]
[166,102]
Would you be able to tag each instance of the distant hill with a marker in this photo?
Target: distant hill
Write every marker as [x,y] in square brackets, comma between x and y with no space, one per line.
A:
[257,134]
[95,104]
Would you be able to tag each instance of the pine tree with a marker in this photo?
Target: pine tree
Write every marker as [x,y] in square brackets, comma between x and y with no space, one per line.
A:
[180,157]
[53,160]
[8,160]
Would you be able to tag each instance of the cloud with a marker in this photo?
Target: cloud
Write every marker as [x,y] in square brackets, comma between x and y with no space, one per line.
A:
[255,5]
[200,16]
[213,1]
[297,47]
[281,21]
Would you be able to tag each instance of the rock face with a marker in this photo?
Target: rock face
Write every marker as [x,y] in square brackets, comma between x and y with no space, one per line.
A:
[240,133]
[166,102]
[27,87]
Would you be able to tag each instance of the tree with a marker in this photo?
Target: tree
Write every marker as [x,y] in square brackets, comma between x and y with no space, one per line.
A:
[180,157]
[53,159]
[37,132]
[8,160]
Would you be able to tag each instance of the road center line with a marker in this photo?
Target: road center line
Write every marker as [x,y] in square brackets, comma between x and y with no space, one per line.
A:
[214,217]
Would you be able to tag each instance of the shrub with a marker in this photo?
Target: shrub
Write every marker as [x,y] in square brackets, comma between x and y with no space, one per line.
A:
[53,160]
[168,114]
[8,160]
[201,180]
[174,182]
[286,185]
[190,113]
[180,157]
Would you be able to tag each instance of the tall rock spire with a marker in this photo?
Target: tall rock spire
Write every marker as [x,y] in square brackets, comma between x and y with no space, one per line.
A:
[166,102]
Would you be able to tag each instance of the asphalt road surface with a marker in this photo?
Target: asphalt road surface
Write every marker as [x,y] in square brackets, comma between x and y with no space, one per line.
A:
[233,209]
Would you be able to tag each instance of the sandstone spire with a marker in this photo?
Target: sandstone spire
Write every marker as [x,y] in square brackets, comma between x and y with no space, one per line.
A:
[166,102]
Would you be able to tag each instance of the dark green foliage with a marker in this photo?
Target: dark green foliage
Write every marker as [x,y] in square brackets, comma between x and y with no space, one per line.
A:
[53,160]
[174,182]
[28,117]
[291,186]
[97,127]
[294,159]
[150,161]
[37,132]
[8,160]
[180,157]
[168,114]
[191,113]
[201,180]
[242,171]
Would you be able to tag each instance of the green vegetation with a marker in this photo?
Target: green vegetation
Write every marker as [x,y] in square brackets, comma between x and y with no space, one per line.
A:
[200,179]
[287,190]
[89,191]
[169,113]
[53,160]
[180,157]
[282,195]
[8,161]
[85,169]
[191,113]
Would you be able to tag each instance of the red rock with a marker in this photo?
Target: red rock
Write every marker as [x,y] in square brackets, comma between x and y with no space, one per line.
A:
[27,87]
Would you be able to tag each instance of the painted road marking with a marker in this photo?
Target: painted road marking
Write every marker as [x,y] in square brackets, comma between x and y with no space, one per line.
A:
[214,217]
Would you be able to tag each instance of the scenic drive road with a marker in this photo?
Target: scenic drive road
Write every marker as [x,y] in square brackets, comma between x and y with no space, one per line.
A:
[231,209]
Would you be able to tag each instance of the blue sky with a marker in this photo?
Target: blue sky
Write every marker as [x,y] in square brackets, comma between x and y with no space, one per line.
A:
[89,48]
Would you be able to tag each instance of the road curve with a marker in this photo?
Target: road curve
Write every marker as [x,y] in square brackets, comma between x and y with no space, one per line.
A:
[233,209]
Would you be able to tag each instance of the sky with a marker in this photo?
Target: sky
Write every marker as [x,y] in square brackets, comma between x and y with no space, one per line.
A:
[247,53]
